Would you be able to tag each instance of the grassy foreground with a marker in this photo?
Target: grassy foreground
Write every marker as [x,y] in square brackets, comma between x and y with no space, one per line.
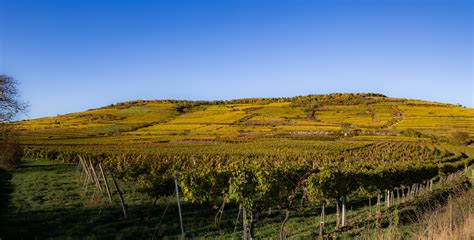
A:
[44,199]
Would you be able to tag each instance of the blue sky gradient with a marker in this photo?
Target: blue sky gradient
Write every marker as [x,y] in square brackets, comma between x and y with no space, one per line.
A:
[75,55]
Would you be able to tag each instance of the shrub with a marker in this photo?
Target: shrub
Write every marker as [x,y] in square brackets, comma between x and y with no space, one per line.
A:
[11,150]
[461,137]
[345,125]
[412,133]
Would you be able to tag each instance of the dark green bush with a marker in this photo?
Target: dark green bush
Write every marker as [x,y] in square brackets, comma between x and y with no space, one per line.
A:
[11,151]
[462,138]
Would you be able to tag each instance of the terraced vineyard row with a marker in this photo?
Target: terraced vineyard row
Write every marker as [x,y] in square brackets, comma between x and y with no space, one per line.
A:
[169,120]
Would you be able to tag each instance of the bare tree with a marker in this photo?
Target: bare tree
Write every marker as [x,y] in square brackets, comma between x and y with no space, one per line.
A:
[10,105]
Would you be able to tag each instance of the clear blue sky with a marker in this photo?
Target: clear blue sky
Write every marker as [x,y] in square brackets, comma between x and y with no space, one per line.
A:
[75,55]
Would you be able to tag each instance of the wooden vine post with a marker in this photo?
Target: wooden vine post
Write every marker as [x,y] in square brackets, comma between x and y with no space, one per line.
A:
[94,174]
[343,223]
[321,219]
[244,220]
[105,182]
[86,170]
[392,197]
[238,216]
[84,166]
[122,202]
[370,206]
[244,209]
[179,206]
[338,213]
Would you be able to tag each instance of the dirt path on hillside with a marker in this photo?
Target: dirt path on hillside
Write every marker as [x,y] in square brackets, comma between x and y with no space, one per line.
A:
[397,117]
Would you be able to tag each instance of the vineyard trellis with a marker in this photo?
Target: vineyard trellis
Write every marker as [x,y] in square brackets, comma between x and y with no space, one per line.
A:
[259,181]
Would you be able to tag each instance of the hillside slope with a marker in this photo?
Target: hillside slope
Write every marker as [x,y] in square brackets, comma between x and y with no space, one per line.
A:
[257,152]
[312,116]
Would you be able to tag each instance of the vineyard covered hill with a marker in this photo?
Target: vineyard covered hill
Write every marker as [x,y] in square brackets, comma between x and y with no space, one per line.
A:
[258,156]
[309,117]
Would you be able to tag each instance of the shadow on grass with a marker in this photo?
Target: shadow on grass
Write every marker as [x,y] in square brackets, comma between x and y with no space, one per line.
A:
[6,189]
[58,167]
[75,223]
[106,222]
